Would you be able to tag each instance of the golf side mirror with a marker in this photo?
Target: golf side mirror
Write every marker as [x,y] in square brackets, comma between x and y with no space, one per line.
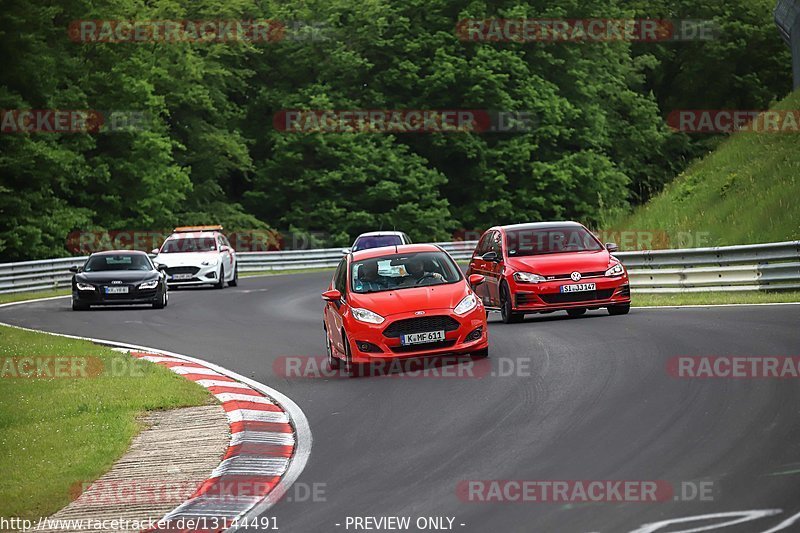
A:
[612,247]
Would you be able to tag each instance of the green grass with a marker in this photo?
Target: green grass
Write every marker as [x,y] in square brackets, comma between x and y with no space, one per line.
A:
[19,296]
[56,432]
[744,192]
[745,297]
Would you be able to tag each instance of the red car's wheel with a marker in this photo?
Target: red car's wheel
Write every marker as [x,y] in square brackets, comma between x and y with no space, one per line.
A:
[621,309]
[351,369]
[333,361]
[506,309]
[480,354]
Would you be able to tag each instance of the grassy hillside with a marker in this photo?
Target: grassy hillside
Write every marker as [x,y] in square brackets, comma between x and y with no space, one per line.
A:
[744,192]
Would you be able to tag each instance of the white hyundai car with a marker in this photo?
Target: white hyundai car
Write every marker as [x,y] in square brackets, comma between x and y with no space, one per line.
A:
[198,255]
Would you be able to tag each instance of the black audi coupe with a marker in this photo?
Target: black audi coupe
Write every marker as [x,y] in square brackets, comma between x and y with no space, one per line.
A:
[118,278]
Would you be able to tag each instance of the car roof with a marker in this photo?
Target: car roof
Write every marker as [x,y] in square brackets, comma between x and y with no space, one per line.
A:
[194,234]
[371,253]
[540,225]
[380,234]
[117,252]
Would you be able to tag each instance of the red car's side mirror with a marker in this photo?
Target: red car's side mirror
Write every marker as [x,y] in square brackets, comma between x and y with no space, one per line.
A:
[476,279]
[332,295]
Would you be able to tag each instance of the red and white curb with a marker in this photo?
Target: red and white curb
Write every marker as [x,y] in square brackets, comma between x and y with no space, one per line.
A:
[263,444]
[269,448]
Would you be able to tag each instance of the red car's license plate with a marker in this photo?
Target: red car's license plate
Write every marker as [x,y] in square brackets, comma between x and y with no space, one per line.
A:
[578,287]
[421,338]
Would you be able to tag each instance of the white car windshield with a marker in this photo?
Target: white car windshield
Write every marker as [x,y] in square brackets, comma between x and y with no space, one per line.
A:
[189,244]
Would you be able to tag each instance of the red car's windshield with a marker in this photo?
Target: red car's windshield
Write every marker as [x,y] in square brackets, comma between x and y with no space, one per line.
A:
[403,271]
[522,242]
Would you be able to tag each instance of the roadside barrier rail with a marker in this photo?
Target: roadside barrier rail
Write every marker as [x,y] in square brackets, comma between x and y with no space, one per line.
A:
[771,266]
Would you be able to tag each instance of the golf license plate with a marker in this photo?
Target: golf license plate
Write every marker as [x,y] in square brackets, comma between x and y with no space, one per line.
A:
[181,276]
[578,287]
[422,338]
[116,290]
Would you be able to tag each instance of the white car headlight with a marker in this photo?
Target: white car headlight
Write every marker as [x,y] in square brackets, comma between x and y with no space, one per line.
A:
[467,304]
[616,270]
[209,262]
[528,277]
[149,284]
[365,315]
[84,286]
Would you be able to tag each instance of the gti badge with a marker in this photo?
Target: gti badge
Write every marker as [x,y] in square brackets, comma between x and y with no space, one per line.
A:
[419,313]
[576,276]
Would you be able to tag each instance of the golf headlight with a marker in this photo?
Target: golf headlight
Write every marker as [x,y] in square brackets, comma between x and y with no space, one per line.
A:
[149,284]
[84,286]
[467,304]
[209,262]
[528,277]
[365,315]
[616,270]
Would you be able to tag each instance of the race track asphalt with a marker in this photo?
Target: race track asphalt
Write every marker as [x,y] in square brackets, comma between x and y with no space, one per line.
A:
[586,399]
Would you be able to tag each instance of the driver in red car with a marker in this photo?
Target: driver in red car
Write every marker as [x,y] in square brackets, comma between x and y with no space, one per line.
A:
[417,271]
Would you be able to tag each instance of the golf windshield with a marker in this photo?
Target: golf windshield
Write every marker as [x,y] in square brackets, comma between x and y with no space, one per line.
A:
[522,242]
[403,271]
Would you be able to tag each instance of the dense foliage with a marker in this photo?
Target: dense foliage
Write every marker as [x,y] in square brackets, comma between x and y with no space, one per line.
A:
[211,153]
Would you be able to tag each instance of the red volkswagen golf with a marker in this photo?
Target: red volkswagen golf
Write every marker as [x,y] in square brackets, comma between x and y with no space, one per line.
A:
[548,266]
[402,301]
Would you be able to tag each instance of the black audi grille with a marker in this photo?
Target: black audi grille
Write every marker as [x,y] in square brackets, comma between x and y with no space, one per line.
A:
[420,325]
[421,347]
[569,297]
[183,270]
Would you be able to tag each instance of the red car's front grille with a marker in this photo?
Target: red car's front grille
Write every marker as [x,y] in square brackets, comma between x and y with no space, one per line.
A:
[571,297]
[421,325]
[558,277]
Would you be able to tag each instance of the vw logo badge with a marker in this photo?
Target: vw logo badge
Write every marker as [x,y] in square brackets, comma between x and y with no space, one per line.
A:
[419,313]
[576,276]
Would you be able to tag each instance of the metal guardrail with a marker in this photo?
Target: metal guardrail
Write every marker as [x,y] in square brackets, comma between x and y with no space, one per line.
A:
[773,266]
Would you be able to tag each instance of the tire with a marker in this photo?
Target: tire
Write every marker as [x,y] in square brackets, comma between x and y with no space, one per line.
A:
[621,309]
[480,354]
[350,368]
[333,362]
[162,303]
[221,281]
[235,281]
[576,312]
[78,306]
[506,310]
